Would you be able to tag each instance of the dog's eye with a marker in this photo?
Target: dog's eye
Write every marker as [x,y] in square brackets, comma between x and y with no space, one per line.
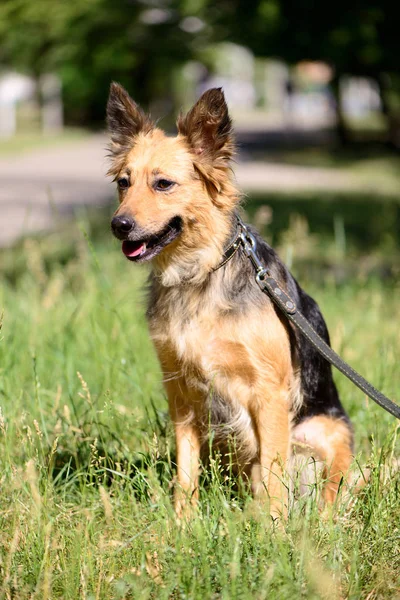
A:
[163,185]
[123,183]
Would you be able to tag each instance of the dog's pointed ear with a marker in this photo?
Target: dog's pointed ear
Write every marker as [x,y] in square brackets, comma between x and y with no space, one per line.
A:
[208,127]
[125,119]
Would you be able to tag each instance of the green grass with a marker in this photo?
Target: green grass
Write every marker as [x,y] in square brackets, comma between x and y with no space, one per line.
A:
[33,140]
[372,169]
[87,454]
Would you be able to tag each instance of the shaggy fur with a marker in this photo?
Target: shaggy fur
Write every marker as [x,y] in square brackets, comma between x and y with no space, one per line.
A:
[234,368]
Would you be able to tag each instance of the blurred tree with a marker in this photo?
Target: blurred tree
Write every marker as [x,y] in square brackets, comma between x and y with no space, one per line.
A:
[141,42]
[89,43]
[357,38]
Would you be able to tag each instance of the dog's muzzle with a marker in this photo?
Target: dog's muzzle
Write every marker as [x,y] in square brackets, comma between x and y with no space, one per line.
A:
[122,226]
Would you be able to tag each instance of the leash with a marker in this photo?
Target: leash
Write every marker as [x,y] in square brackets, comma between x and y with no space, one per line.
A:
[286,304]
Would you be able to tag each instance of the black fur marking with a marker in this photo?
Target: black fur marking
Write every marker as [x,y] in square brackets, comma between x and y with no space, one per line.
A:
[240,292]
[319,390]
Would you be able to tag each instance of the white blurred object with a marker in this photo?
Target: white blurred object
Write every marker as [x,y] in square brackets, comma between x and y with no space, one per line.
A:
[52,108]
[17,89]
[234,72]
[360,96]
[14,88]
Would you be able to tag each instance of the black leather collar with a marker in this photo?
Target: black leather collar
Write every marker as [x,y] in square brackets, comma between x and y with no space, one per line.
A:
[232,247]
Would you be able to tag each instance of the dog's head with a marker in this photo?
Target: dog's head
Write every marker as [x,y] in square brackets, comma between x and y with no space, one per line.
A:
[176,195]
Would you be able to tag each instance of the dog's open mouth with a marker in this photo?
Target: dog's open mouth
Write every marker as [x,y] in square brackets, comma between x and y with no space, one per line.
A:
[147,248]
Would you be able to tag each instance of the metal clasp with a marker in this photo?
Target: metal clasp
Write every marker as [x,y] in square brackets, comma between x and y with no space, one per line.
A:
[249,247]
[260,278]
[264,279]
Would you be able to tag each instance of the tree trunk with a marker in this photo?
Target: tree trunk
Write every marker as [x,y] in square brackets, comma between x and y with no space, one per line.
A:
[341,129]
[393,125]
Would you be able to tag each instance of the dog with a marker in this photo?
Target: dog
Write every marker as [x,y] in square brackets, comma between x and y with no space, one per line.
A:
[234,368]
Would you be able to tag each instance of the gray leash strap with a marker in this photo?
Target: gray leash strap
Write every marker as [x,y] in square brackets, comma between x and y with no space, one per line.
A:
[270,286]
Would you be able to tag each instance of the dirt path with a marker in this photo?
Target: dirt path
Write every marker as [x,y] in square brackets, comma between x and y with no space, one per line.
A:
[38,187]
[257,176]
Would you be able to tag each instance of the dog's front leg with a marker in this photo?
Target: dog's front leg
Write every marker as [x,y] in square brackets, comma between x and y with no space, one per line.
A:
[271,418]
[187,449]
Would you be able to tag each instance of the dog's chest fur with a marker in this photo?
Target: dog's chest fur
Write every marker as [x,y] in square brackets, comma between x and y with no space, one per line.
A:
[187,332]
[218,359]
[201,338]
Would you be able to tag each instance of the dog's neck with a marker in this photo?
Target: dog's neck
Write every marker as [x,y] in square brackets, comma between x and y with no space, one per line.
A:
[199,253]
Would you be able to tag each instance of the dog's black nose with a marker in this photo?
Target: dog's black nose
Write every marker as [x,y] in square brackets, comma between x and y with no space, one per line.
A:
[122,226]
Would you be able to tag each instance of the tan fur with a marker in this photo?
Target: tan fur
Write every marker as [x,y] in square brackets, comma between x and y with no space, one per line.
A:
[203,348]
[248,366]
[330,441]
[199,249]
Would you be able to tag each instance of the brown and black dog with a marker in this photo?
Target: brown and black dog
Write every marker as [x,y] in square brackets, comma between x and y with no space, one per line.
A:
[232,364]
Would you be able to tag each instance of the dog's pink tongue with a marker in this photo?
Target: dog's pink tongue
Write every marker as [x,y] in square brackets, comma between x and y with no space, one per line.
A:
[132,249]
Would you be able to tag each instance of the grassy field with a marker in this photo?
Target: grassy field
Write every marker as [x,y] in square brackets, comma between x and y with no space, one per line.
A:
[25,142]
[87,454]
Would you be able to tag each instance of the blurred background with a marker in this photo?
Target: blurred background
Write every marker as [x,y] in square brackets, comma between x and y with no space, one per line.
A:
[314,93]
